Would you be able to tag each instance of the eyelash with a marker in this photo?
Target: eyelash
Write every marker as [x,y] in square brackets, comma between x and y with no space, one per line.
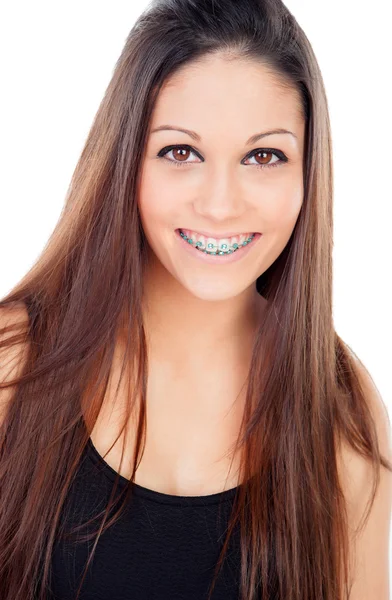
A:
[282,158]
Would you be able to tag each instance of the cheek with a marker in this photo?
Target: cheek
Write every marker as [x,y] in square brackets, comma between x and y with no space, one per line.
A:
[159,201]
[162,198]
[155,205]
[280,208]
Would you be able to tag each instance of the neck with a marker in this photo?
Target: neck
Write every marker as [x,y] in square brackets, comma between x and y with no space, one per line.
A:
[183,329]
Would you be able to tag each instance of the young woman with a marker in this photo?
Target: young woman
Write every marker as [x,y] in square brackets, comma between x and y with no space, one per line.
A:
[180,418]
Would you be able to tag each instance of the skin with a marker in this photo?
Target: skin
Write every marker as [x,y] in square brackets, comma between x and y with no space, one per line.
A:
[225,102]
[200,319]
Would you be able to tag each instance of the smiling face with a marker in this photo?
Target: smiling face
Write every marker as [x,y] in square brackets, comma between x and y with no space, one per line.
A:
[216,179]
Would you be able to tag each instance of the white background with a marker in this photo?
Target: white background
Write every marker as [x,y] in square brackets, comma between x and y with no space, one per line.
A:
[56,61]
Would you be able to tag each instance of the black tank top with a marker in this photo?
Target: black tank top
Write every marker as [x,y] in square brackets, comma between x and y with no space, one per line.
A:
[162,547]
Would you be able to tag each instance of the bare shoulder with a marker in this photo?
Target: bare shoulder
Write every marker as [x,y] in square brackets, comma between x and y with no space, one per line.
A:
[358,473]
[370,548]
[12,357]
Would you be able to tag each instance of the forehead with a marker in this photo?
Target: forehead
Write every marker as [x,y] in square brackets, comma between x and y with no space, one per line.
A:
[212,93]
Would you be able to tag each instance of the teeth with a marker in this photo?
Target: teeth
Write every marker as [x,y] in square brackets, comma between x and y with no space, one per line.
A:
[214,245]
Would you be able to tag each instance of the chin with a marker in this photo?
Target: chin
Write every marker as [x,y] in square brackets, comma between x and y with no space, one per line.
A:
[212,291]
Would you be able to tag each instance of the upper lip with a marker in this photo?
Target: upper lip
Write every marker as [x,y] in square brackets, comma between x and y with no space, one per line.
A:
[217,235]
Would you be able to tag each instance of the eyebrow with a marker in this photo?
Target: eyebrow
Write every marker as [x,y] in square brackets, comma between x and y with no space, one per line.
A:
[251,140]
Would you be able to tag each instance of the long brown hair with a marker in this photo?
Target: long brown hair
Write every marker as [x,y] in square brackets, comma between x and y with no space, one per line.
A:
[303,394]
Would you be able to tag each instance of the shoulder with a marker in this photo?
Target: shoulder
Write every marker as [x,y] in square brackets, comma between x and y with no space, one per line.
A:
[13,320]
[13,314]
[379,413]
[370,546]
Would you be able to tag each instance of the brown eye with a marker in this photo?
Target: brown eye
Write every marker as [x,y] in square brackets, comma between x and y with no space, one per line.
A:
[177,155]
[180,153]
[264,157]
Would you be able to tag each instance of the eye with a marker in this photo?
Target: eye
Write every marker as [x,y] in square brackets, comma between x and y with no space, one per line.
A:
[264,154]
[181,152]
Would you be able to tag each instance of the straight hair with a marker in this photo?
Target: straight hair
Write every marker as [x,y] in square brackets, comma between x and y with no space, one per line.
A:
[83,294]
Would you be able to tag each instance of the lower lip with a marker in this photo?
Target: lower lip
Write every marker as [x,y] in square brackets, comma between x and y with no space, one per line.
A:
[218,259]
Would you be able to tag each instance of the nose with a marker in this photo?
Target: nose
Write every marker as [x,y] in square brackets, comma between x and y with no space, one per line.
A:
[220,199]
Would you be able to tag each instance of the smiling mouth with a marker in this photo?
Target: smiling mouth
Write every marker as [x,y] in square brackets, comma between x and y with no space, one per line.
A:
[210,245]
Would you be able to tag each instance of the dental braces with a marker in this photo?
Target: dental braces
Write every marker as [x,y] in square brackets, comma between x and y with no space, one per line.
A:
[221,252]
